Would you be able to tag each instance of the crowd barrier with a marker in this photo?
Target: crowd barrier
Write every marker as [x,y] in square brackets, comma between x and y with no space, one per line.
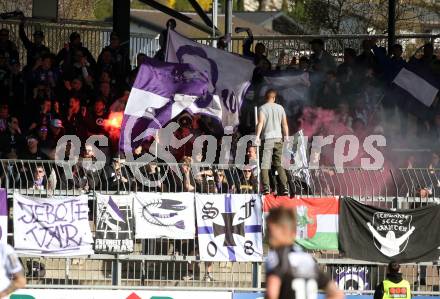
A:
[167,262]
[392,188]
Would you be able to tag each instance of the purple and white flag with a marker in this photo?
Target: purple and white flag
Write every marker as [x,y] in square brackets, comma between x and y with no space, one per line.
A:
[229,227]
[3,216]
[114,211]
[161,92]
[55,226]
[229,74]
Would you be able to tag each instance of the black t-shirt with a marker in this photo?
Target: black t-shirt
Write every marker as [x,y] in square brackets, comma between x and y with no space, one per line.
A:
[298,271]
[95,124]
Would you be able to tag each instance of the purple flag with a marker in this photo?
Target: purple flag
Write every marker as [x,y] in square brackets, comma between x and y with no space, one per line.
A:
[3,216]
[229,74]
[114,210]
[161,92]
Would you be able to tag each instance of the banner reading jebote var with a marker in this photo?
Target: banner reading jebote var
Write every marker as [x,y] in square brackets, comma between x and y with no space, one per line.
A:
[317,219]
[56,226]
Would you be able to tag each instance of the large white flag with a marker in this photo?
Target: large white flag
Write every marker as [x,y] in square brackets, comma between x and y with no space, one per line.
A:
[229,227]
[229,74]
[164,215]
[56,226]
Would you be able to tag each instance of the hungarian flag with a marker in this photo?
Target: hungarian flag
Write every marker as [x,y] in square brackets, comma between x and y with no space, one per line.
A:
[317,219]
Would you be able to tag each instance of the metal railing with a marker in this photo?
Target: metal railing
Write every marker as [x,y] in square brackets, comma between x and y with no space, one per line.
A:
[298,45]
[168,263]
[96,35]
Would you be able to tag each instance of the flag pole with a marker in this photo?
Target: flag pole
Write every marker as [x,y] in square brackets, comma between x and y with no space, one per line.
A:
[214,22]
[258,152]
[256,267]
[156,143]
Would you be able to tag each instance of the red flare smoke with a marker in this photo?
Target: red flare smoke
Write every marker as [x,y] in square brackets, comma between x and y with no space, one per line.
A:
[113,124]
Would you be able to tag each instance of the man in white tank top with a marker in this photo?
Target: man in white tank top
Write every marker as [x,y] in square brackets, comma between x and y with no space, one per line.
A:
[272,128]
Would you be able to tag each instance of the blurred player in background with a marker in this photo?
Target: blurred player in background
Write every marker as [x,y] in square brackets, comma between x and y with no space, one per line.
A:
[11,271]
[291,273]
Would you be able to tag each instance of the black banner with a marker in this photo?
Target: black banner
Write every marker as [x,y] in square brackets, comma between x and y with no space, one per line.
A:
[114,224]
[378,235]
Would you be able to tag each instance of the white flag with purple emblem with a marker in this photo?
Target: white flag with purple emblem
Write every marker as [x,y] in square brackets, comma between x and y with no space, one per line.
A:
[164,215]
[229,227]
[3,216]
[229,74]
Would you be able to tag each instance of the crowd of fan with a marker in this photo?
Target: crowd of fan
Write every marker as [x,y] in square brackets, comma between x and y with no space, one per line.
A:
[71,92]
[358,96]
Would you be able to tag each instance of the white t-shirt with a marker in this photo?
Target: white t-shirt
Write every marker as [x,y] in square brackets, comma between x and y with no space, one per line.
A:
[9,265]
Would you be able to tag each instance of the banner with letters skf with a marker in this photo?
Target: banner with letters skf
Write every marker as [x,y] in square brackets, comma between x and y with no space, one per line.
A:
[229,227]
[55,226]
[114,224]
[378,235]
[164,215]
[3,216]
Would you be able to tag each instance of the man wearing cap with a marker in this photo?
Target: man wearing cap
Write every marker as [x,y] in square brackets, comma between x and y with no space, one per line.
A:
[394,286]
[34,49]
[321,60]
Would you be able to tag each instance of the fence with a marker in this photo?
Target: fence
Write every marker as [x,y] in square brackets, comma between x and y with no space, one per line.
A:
[167,263]
[95,35]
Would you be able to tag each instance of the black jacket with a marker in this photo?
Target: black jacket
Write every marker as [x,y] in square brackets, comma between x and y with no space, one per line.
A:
[395,278]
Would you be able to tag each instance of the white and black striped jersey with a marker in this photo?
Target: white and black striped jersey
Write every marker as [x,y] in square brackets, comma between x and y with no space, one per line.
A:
[298,271]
